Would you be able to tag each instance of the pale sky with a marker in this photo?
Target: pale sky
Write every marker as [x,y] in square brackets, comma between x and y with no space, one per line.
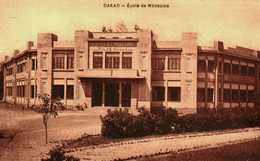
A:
[236,22]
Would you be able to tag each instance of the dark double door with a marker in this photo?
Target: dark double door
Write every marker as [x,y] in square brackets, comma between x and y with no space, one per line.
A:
[114,93]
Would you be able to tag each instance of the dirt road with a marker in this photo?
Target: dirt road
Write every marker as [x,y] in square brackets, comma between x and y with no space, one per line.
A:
[22,135]
[136,148]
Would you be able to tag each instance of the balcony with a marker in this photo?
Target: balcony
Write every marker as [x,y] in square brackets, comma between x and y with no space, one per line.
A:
[110,73]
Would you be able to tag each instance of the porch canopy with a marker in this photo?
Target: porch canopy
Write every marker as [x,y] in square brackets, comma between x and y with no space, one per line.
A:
[110,73]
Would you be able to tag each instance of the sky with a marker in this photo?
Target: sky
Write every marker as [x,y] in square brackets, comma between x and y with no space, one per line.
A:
[236,22]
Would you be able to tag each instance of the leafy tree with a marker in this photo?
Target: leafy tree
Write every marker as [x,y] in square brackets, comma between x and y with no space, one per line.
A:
[49,108]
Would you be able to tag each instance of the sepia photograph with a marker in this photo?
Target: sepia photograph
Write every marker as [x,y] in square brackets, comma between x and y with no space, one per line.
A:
[129,80]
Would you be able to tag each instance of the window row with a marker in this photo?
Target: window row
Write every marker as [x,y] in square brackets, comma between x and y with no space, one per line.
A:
[159,63]
[228,68]
[237,69]
[229,95]
[158,93]
[58,61]
[58,92]
[235,95]
[112,60]
[201,94]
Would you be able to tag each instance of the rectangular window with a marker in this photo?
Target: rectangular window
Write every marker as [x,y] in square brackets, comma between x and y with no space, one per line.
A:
[70,61]
[21,68]
[33,65]
[80,65]
[58,91]
[174,64]
[9,91]
[201,95]
[227,68]
[220,67]
[210,97]
[43,60]
[211,66]
[70,92]
[244,70]
[227,95]
[58,61]
[9,71]
[174,94]
[243,96]
[251,71]
[201,66]
[235,95]
[251,96]
[158,93]
[127,60]
[158,63]
[235,69]
[112,60]
[97,60]
[33,91]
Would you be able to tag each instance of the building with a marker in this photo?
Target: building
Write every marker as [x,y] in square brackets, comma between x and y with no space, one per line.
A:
[133,69]
[1,81]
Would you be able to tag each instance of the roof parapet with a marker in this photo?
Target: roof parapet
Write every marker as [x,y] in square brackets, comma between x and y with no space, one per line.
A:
[219,45]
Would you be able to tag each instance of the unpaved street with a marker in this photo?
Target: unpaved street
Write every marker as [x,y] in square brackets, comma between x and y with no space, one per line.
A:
[22,137]
[22,134]
[159,145]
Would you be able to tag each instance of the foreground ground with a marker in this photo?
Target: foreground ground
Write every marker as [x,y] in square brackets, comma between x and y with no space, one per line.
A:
[22,138]
[22,133]
[156,145]
[247,151]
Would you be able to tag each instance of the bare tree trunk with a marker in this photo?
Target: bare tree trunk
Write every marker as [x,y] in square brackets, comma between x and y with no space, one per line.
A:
[46,132]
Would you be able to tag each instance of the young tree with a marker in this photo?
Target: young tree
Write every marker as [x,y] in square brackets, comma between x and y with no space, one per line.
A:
[49,108]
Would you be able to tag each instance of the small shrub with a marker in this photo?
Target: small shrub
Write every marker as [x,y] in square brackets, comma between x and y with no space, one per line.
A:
[116,122]
[57,154]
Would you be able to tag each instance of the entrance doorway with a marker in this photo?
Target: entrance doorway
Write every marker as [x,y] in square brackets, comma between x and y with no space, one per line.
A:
[126,95]
[96,94]
[111,94]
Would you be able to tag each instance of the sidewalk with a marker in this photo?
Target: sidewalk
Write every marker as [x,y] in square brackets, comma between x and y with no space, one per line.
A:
[159,145]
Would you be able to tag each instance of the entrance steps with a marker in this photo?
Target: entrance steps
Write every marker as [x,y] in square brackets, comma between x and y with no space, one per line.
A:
[103,110]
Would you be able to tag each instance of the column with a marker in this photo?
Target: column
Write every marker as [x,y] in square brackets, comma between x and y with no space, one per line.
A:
[166,63]
[65,60]
[28,81]
[206,83]
[216,83]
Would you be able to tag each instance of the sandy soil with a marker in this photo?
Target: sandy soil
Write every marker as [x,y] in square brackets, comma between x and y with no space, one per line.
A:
[22,136]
